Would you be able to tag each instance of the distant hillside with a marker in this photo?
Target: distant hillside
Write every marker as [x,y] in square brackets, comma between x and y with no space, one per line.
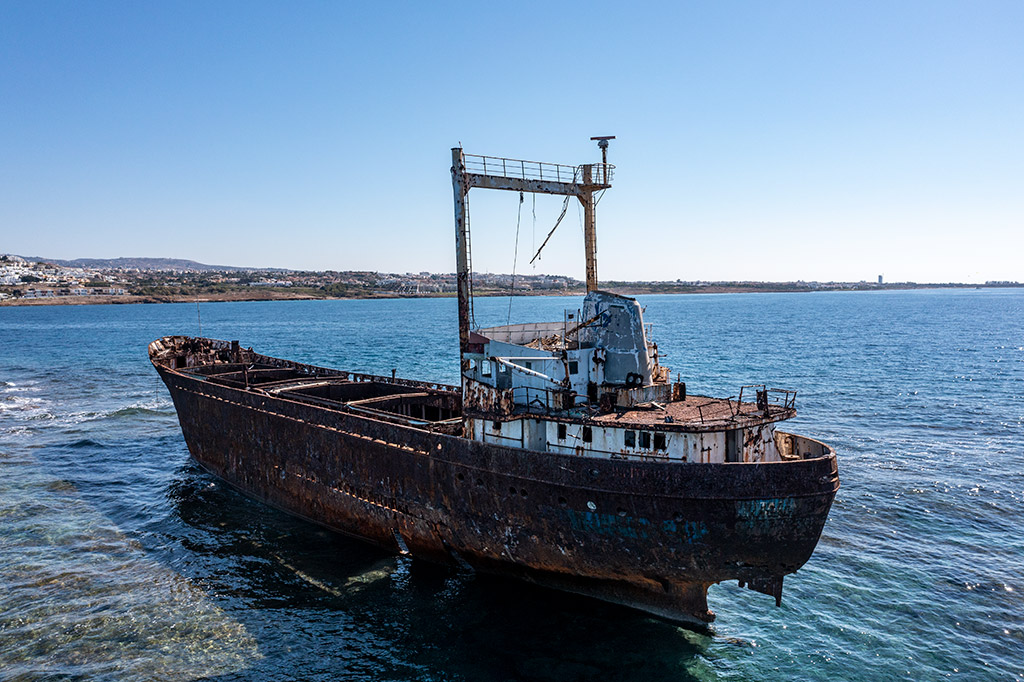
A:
[142,264]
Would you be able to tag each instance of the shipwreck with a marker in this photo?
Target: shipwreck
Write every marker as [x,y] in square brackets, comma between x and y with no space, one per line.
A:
[567,457]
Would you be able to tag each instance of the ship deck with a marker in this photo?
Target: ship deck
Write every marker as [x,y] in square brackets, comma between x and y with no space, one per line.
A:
[698,412]
[434,406]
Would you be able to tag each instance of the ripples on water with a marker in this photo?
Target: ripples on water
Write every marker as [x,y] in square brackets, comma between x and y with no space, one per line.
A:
[120,559]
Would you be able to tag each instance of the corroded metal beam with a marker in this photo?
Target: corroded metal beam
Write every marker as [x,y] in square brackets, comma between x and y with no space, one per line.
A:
[589,229]
[461,254]
[574,189]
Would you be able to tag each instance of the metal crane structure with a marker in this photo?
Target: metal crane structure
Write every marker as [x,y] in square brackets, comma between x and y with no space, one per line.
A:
[490,172]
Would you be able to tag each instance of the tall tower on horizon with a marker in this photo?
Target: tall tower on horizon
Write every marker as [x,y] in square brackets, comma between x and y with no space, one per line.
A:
[879,279]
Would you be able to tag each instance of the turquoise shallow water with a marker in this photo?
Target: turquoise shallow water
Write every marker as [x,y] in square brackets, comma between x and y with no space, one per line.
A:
[119,559]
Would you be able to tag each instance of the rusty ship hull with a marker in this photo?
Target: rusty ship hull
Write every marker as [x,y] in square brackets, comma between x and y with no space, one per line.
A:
[385,460]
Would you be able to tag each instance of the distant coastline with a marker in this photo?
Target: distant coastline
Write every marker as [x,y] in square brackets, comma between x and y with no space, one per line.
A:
[294,295]
[39,281]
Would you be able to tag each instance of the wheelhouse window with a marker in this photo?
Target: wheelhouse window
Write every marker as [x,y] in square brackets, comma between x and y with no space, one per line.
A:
[574,367]
[561,432]
[588,434]
[645,440]
[485,368]
[629,439]
[659,442]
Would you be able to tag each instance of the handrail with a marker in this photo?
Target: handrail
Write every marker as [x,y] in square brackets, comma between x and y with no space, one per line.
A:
[544,406]
[787,399]
[601,173]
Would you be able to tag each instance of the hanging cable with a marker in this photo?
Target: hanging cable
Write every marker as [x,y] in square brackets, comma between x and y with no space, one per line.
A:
[565,207]
[533,231]
[515,257]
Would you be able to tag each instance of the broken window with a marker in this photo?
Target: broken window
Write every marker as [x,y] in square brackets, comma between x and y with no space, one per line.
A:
[630,439]
[574,367]
[561,432]
[645,440]
[734,445]
[659,442]
[485,368]
[588,434]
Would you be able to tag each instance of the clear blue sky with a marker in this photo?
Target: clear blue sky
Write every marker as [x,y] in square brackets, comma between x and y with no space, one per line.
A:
[756,140]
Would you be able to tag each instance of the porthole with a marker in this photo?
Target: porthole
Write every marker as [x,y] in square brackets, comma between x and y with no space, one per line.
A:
[591,506]
[562,502]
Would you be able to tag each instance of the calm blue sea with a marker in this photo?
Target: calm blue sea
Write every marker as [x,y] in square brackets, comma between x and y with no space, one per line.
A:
[120,560]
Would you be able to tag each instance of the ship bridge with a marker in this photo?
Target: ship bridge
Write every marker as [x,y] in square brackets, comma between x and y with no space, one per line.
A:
[599,354]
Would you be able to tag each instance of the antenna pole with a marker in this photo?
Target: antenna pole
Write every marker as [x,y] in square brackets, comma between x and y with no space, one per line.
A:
[589,209]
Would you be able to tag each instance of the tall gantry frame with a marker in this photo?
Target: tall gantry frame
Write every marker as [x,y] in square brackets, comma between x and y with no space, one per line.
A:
[490,172]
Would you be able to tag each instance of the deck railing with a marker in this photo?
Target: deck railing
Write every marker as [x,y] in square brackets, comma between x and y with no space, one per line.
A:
[782,397]
[543,400]
[600,173]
